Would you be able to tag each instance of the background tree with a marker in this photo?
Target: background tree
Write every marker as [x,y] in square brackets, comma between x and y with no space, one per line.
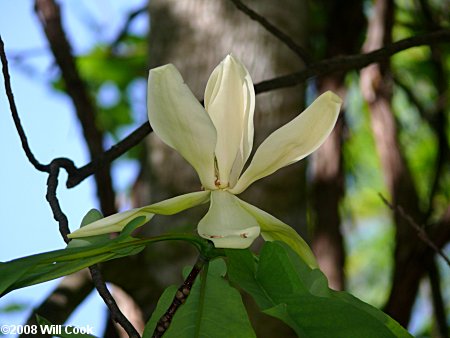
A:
[194,35]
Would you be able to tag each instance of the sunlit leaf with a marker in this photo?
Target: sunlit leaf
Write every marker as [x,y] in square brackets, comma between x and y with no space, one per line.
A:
[285,287]
[212,310]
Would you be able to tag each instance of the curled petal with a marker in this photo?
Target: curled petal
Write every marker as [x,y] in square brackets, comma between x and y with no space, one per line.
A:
[293,141]
[181,122]
[227,224]
[117,222]
[230,102]
[272,229]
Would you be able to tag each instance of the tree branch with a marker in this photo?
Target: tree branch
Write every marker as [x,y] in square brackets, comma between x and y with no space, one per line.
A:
[302,53]
[179,299]
[352,62]
[437,299]
[15,115]
[116,314]
[421,233]
[110,155]
[126,26]
[49,15]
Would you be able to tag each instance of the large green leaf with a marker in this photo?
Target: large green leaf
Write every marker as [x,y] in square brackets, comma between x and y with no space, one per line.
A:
[46,266]
[213,309]
[285,287]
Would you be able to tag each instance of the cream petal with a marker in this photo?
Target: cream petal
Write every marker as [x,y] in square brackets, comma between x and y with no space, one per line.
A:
[293,141]
[272,229]
[113,223]
[227,224]
[181,122]
[177,204]
[117,222]
[230,102]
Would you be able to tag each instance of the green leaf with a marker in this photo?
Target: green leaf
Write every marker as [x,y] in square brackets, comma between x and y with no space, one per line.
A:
[90,217]
[46,266]
[285,287]
[9,273]
[213,309]
[131,226]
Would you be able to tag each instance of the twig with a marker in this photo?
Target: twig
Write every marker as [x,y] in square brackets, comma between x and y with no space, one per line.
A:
[179,298]
[116,314]
[126,26]
[438,302]
[58,214]
[411,97]
[61,218]
[15,115]
[351,62]
[110,155]
[302,53]
[421,233]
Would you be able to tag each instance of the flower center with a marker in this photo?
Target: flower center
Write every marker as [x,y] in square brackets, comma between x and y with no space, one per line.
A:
[219,185]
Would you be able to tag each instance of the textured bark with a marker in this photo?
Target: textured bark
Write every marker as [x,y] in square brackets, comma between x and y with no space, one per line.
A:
[346,21]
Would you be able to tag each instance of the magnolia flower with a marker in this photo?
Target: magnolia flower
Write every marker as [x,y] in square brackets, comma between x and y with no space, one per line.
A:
[217,140]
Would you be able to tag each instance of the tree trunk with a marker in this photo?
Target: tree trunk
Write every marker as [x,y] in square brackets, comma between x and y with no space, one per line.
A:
[376,84]
[346,20]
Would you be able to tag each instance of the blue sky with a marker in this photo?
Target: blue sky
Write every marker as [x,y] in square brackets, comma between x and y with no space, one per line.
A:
[49,121]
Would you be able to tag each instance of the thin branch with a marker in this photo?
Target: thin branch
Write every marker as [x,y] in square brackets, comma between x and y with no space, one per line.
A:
[302,53]
[179,299]
[437,298]
[411,97]
[76,175]
[110,155]
[352,62]
[116,314]
[61,218]
[12,106]
[421,233]
[58,214]
[126,26]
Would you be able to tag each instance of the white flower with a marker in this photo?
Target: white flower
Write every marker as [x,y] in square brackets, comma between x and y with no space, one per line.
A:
[217,140]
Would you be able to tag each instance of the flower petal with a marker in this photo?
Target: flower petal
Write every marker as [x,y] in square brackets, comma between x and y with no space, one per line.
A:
[230,101]
[293,141]
[181,122]
[227,224]
[117,222]
[272,229]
